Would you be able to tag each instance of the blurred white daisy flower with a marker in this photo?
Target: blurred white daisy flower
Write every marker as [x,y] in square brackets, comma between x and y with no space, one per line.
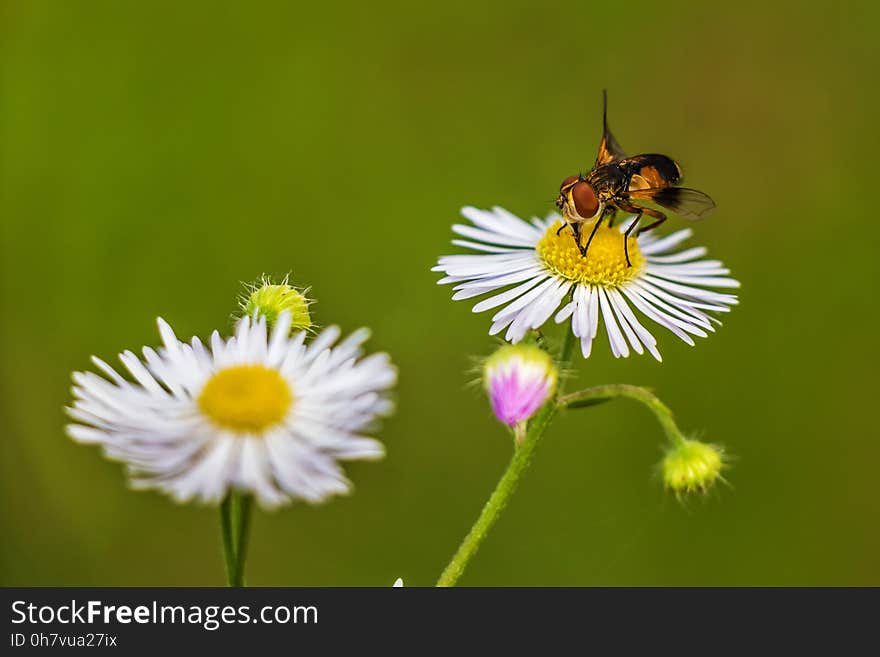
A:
[539,269]
[261,413]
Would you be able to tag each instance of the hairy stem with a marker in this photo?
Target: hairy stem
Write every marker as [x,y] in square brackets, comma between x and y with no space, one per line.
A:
[599,394]
[498,500]
[506,486]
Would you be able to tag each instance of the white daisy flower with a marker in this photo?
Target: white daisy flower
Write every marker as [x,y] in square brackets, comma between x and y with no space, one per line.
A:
[265,414]
[539,270]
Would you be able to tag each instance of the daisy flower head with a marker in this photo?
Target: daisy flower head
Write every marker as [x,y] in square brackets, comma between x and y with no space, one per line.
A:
[530,269]
[261,412]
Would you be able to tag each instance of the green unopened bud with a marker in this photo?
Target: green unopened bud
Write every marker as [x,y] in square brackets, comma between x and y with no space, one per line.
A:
[692,466]
[271,299]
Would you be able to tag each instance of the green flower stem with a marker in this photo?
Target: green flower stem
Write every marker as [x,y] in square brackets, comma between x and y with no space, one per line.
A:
[506,486]
[245,502]
[600,394]
[565,358]
[235,521]
[498,500]
[228,539]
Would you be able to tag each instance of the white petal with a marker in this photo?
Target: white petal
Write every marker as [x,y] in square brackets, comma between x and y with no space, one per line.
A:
[501,222]
[476,246]
[504,297]
[666,243]
[615,337]
[514,307]
[627,329]
[644,335]
[703,281]
[489,237]
[681,256]
[671,323]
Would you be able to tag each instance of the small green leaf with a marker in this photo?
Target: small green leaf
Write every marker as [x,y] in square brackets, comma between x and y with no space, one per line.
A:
[583,403]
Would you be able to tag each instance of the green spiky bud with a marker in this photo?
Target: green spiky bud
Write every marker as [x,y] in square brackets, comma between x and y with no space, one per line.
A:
[692,466]
[271,299]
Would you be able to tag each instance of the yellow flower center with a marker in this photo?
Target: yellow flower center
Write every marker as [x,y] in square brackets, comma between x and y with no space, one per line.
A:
[246,398]
[605,262]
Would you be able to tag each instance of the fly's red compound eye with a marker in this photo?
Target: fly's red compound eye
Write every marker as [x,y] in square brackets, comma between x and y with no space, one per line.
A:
[568,182]
[585,202]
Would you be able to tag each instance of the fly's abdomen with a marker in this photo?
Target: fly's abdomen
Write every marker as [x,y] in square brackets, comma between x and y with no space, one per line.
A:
[652,171]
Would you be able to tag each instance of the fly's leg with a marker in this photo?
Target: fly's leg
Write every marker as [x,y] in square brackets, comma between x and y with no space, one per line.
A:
[576,233]
[584,249]
[639,211]
[629,229]
[659,216]
[606,209]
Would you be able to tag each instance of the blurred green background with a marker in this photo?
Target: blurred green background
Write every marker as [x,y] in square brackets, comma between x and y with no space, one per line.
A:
[153,156]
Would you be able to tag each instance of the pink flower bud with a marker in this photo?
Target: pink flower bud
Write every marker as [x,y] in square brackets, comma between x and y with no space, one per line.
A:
[519,379]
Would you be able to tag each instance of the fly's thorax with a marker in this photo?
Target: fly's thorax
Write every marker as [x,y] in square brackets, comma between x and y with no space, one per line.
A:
[608,176]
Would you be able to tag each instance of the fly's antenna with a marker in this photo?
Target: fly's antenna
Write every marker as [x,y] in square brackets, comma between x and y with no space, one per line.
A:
[604,111]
